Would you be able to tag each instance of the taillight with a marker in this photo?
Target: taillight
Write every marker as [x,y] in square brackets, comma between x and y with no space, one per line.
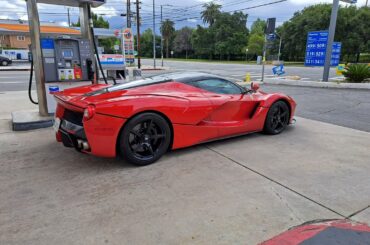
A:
[89,112]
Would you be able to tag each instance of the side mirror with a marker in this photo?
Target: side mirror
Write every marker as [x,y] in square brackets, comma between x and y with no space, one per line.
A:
[255,86]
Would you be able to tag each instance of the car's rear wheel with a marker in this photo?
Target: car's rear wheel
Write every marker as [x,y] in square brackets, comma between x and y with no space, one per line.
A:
[144,139]
[277,118]
[4,63]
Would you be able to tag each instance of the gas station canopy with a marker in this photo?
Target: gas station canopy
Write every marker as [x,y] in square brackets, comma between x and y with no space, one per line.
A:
[73,3]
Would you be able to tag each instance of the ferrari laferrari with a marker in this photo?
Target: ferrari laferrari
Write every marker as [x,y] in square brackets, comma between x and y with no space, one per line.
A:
[142,120]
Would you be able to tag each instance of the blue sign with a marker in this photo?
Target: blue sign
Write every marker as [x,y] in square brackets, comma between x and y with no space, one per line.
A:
[278,70]
[53,89]
[335,55]
[316,49]
[47,43]
[271,37]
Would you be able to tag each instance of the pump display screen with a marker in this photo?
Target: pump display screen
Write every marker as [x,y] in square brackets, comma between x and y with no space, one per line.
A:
[67,53]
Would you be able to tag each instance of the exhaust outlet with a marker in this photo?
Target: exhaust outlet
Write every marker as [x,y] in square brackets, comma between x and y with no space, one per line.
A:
[83,145]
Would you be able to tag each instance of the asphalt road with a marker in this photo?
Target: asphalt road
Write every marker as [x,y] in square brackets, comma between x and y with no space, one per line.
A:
[238,71]
[349,108]
[14,80]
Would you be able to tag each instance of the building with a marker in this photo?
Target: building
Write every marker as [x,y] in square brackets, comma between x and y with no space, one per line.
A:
[14,34]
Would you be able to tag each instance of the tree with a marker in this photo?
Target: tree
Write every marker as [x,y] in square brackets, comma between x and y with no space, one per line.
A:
[256,40]
[203,42]
[258,27]
[210,12]
[146,43]
[99,22]
[352,30]
[167,30]
[231,34]
[255,44]
[182,41]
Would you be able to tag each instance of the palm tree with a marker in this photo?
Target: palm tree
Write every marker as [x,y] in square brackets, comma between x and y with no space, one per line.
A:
[167,31]
[210,12]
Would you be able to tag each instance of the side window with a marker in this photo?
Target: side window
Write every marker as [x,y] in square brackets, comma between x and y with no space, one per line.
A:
[218,86]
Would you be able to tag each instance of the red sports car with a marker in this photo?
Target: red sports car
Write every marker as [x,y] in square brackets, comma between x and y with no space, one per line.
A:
[141,120]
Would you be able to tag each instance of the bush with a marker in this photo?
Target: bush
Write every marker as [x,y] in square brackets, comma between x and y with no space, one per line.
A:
[357,73]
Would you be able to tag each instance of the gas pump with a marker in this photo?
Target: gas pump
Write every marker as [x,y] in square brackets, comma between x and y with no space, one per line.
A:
[68,63]
[62,62]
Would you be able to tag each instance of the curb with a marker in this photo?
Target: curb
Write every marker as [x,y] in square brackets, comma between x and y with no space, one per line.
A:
[30,120]
[314,84]
[21,69]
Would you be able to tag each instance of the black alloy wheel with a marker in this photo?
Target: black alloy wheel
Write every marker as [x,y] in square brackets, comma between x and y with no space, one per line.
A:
[277,118]
[145,138]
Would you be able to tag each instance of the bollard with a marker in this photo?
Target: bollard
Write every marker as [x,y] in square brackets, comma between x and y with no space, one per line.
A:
[248,77]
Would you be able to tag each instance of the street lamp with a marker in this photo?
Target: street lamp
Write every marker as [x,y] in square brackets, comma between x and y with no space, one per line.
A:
[280,42]
[246,54]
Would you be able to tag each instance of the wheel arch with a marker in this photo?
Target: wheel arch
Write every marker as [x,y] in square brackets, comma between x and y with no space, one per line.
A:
[142,112]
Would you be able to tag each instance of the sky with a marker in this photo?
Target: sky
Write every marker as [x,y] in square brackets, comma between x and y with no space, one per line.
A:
[183,13]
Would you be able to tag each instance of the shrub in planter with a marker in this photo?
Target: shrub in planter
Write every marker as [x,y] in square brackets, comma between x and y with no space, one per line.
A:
[357,73]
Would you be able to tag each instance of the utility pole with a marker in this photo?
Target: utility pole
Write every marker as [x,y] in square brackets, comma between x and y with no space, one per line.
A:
[329,47]
[154,55]
[128,14]
[161,34]
[138,33]
[69,18]
[264,58]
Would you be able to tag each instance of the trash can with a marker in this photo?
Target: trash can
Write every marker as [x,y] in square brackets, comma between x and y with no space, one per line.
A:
[259,60]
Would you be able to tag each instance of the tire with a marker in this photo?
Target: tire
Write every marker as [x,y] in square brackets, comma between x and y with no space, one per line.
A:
[144,139]
[4,63]
[277,118]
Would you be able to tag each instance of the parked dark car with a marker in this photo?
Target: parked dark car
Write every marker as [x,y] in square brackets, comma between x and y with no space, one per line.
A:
[5,61]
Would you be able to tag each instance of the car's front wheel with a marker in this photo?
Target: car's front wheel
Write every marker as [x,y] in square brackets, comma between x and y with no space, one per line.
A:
[144,139]
[4,63]
[277,118]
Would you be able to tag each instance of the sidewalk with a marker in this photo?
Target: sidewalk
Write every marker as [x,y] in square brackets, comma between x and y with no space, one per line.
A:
[238,191]
[316,84]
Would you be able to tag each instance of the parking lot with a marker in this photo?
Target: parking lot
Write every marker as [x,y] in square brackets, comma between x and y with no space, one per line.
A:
[238,191]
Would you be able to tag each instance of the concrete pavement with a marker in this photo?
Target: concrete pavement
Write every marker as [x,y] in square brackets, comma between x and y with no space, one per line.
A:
[238,191]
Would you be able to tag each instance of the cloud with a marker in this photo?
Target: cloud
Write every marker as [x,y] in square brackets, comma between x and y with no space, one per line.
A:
[192,20]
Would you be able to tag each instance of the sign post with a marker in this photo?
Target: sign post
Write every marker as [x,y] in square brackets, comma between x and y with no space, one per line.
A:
[332,26]
[333,23]
[128,40]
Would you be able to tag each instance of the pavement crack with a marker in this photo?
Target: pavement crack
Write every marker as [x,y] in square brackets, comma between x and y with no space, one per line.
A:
[357,212]
[277,182]
[286,203]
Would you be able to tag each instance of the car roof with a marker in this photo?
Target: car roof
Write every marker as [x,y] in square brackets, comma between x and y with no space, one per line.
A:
[169,77]
[183,75]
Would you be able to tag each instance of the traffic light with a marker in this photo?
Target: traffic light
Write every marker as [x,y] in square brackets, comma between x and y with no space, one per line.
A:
[270,26]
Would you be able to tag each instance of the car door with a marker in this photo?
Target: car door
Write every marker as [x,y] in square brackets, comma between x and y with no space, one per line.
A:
[232,107]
